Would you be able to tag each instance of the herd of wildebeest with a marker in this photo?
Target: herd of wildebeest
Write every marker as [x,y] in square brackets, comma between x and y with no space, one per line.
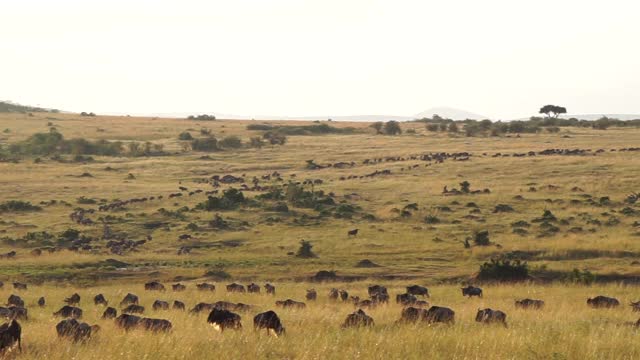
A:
[223,316]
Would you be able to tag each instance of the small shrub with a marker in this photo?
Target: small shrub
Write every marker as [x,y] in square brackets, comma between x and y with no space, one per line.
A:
[504,270]
[205,144]
[230,142]
[18,206]
[185,136]
[481,238]
[306,250]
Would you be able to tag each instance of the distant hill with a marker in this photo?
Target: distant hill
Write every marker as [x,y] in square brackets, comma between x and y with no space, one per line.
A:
[449,113]
[11,107]
[598,116]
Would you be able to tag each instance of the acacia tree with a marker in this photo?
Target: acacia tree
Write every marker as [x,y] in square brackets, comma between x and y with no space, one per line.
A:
[377,126]
[552,109]
[392,127]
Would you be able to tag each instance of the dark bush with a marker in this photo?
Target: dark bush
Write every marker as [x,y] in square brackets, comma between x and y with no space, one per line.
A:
[504,270]
[205,144]
[230,142]
[18,206]
[306,250]
[481,238]
[185,136]
[230,199]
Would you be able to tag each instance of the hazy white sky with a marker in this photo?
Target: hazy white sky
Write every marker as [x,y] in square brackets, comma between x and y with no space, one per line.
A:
[500,58]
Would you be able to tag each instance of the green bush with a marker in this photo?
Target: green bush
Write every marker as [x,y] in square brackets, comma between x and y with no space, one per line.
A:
[205,144]
[306,250]
[504,270]
[230,142]
[185,136]
[18,206]
[231,199]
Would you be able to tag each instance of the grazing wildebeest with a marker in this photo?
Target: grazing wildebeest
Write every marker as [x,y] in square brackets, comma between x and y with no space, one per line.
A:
[312,295]
[242,307]
[270,321]
[635,306]
[344,295]
[289,303]
[224,319]
[129,299]
[200,307]
[235,288]
[76,331]
[471,291]
[489,316]
[418,290]
[155,325]
[69,311]
[133,309]
[18,312]
[529,304]
[178,305]
[377,289]
[127,321]
[19,286]
[353,232]
[270,289]
[411,314]
[405,299]
[334,294]
[160,305]
[100,300]
[253,288]
[358,319]
[41,301]
[367,303]
[73,299]
[602,302]
[154,285]
[437,314]
[10,334]
[206,287]
[15,300]
[178,287]
[110,313]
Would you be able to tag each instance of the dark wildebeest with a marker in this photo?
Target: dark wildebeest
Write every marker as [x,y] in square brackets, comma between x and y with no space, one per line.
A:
[344,295]
[178,305]
[69,311]
[334,294]
[110,313]
[100,300]
[270,289]
[312,295]
[19,286]
[206,287]
[15,300]
[224,305]
[200,307]
[418,290]
[76,331]
[160,305]
[471,291]
[18,312]
[129,299]
[133,309]
[253,288]
[437,314]
[41,301]
[224,319]
[358,319]
[235,288]
[73,299]
[178,287]
[270,321]
[411,314]
[154,285]
[155,325]
[635,306]
[405,299]
[377,289]
[529,304]
[353,232]
[602,302]
[127,321]
[10,334]
[289,303]
[242,307]
[366,304]
[489,316]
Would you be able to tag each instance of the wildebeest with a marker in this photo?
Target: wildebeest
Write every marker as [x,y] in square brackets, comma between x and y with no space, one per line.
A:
[635,306]
[41,301]
[312,295]
[289,303]
[178,305]
[154,285]
[529,304]
[200,307]
[270,321]
[110,313]
[73,299]
[15,300]
[235,288]
[418,290]
[603,302]
[253,288]
[270,289]
[405,299]
[344,295]
[358,319]
[206,287]
[224,319]
[18,312]
[10,334]
[353,232]
[472,291]
[334,294]
[489,316]
[76,331]
[128,322]
[100,300]
[178,287]
[133,309]
[411,314]
[69,311]
[19,286]
[377,289]
[129,299]
[439,314]
[160,305]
